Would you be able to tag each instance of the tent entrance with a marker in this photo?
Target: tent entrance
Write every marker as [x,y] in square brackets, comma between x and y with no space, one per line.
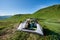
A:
[31,25]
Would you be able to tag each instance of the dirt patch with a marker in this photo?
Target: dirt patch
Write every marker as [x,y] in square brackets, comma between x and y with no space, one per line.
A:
[8,32]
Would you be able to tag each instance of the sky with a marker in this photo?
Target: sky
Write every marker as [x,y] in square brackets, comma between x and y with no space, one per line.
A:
[12,7]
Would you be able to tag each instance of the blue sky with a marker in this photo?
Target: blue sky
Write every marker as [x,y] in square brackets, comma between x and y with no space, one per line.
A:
[11,7]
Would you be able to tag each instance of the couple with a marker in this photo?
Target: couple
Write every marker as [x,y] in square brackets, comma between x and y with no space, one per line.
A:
[30,24]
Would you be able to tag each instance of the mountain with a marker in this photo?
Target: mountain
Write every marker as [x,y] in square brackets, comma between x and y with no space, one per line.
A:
[48,18]
[4,17]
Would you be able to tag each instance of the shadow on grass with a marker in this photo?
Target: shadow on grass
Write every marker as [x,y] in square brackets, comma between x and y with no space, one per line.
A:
[48,32]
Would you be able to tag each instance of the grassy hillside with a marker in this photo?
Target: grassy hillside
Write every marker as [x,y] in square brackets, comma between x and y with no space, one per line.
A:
[49,18]
[52,12]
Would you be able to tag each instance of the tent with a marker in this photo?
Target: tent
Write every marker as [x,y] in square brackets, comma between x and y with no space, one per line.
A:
[37,30]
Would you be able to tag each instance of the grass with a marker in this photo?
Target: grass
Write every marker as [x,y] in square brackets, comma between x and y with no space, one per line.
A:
[48,18]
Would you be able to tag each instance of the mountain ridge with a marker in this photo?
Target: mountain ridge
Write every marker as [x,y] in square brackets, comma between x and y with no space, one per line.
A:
[51,11]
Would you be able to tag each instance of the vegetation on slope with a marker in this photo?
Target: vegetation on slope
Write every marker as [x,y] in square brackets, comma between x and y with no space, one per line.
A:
[52,12]
[47,17]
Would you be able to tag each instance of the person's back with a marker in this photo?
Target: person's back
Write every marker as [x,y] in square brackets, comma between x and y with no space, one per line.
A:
[34,25]
[28,24]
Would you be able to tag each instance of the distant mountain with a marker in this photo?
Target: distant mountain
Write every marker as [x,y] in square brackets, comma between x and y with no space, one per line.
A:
[4,17]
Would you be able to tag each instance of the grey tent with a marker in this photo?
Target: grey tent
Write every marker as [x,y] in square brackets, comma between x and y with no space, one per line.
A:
[38,29]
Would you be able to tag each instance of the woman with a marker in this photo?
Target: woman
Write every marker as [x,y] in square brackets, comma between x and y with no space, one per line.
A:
[27,26]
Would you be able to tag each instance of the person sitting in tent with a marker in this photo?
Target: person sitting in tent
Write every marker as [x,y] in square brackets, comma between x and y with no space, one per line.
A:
[27,26]
[30,24]
[33,25]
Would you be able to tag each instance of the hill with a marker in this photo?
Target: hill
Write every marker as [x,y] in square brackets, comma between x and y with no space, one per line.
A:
[4,17]
[51,12]
[47,17]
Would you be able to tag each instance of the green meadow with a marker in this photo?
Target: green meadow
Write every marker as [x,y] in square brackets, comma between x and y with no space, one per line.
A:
[48,18]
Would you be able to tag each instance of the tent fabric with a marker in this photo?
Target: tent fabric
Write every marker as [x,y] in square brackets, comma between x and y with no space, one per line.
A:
[38,29]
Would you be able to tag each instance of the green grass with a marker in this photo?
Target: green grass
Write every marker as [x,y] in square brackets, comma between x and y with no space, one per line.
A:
[48,18]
